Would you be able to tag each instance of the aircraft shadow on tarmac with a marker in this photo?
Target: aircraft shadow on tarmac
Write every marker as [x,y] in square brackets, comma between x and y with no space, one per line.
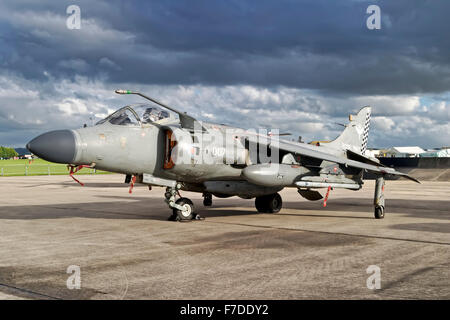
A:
[134,207]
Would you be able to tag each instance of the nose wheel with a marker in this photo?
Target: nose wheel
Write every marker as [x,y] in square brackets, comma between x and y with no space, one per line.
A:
[183,208]
[187,209]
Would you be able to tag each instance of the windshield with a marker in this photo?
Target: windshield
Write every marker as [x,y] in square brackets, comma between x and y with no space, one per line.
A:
[136,114]
[149,113]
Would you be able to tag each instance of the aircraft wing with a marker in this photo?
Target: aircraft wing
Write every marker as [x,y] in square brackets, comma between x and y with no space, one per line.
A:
[315,152]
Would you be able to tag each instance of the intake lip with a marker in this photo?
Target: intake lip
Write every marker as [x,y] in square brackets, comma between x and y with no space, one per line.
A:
[54,146]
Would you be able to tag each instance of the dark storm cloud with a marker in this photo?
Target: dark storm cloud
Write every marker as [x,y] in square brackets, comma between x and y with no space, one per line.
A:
[299,66]
[321,45]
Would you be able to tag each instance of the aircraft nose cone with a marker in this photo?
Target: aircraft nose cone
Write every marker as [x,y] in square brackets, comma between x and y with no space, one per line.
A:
[55,146]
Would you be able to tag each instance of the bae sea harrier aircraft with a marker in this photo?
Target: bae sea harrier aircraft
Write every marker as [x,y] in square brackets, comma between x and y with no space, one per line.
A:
[161,146]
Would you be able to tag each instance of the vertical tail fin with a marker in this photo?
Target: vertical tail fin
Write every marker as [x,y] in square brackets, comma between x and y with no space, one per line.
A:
[355,135]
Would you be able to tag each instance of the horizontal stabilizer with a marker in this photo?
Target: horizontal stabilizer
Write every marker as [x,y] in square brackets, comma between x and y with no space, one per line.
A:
[404,175]
[361,158]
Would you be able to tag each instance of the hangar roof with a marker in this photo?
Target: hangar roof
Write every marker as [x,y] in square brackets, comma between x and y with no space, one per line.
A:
[410,150]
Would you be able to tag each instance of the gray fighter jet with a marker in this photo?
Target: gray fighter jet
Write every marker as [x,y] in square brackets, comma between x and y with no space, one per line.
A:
[161,146]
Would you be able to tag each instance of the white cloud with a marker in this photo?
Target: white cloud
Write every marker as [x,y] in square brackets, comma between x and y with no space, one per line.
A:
[438,110]
[71,106]
[383,123]
[29,108]
[390,105]
[10,88]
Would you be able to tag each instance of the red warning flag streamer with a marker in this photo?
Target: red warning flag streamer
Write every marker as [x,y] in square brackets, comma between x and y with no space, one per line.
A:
[75,169]
[326,196]
[133,181]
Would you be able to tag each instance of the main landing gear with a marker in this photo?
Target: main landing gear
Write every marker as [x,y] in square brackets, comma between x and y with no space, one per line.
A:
[207,199]
[378,200]
[183,208]
[271,203]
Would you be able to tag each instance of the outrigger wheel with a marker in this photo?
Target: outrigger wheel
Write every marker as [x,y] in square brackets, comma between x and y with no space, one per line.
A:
[271,203]
[378,201]
[379,212]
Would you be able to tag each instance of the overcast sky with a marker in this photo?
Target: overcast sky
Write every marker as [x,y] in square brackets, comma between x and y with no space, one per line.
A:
[300,66]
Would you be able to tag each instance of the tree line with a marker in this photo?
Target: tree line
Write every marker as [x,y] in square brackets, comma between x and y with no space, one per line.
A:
[7,153]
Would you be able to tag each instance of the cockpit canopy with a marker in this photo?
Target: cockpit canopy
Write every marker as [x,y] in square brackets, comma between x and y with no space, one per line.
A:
[135,115]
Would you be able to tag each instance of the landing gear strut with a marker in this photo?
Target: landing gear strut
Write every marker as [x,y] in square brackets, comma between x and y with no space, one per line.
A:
[207,199]
[271,203]
[183,208]
[378,200]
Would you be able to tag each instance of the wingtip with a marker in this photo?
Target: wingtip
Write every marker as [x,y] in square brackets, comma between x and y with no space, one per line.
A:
[412,179]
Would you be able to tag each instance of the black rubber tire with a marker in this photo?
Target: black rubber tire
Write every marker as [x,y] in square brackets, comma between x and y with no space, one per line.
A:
[180,215]
[271,203]
[274,203]
[261,204]
[379,212]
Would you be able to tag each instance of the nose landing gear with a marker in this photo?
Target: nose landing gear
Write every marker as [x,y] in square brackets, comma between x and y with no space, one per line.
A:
[183,208]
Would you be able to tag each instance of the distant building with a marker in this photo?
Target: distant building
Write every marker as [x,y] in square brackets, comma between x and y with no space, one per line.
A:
[373,153]
[440,153]
[403,152]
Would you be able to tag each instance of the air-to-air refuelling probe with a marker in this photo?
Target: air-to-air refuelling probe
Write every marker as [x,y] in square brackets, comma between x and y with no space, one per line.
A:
[165,147]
